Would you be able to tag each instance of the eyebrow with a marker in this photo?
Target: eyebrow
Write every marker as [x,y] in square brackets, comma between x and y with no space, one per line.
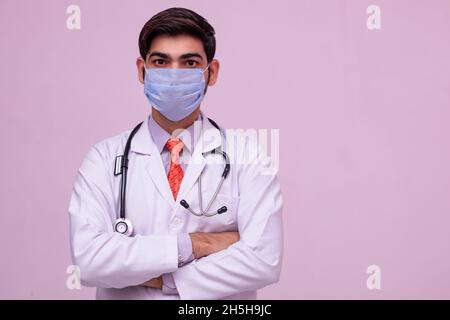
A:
[190,55]
[159,54]
[182,57]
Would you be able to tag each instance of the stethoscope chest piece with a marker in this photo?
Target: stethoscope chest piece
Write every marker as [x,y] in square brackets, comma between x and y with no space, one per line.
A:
[123,226]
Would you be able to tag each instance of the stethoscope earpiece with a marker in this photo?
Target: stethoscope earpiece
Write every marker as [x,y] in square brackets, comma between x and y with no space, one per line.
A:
[222,210]
[184,204]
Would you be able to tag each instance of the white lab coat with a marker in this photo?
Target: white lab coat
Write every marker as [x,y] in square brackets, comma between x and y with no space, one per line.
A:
[117,264]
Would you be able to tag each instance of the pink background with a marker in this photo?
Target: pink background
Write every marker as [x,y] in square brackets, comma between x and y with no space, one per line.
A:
[363,118]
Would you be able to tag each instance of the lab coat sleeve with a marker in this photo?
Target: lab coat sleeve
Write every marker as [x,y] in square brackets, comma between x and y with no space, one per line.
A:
[255,260]
[105,258]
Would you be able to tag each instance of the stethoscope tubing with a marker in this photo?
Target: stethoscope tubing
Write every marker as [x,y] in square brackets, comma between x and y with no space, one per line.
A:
[123,185]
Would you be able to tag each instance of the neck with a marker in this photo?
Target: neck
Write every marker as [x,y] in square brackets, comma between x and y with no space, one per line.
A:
[171,126]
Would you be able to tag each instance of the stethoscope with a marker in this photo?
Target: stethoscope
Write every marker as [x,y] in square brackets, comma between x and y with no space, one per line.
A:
[124,226]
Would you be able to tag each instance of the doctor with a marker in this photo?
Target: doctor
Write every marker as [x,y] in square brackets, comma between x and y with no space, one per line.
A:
[175,244]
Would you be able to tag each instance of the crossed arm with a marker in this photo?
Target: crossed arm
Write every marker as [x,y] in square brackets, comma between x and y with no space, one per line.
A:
[203,244]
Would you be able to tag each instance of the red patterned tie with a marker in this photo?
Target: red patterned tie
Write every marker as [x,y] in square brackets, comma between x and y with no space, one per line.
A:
[175,175]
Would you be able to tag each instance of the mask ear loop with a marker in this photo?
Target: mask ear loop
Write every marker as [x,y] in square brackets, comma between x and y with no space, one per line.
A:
[207,67]
[145,69]
[209,74]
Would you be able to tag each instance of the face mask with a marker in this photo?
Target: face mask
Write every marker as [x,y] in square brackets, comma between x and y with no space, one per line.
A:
[176,93]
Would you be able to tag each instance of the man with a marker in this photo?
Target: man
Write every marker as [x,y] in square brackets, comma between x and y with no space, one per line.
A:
[174,252]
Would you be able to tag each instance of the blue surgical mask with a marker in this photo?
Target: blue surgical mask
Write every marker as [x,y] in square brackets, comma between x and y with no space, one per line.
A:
[176,93]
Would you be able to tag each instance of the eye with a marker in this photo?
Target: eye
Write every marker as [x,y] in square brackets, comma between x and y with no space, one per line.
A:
[159,62]
[191,63]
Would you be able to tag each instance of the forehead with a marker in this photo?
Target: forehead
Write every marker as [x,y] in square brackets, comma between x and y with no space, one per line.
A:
[177,45]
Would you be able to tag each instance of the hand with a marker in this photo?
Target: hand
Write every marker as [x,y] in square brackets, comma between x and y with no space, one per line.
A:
[154,283]
[204,244]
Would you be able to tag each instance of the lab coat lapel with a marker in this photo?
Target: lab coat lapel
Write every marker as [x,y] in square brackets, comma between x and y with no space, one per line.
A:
[143,143]
[157,172]
[193,171]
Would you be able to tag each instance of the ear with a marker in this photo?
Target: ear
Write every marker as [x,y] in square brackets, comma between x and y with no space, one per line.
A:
[140,69]
[214,67]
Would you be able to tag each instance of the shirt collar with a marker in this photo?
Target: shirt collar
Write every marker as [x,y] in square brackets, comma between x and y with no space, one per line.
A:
[189,136]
